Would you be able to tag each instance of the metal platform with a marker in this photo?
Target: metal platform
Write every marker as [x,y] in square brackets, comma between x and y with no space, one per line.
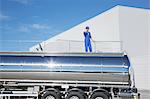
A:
[64,54]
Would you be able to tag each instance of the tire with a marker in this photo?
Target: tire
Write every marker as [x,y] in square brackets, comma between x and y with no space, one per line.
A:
[101,95]
[50,95]
[75,95]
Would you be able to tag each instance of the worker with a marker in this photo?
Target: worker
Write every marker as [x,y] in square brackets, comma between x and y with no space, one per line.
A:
[87,40]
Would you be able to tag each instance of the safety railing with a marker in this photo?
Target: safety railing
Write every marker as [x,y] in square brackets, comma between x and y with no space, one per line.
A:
[58,46]
[77,46]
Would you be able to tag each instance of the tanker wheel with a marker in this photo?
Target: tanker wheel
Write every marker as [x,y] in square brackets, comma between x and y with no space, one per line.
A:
[99,95]
[50,95]
[75,95]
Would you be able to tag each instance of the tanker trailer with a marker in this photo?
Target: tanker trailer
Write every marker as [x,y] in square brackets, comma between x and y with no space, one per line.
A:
[66,75]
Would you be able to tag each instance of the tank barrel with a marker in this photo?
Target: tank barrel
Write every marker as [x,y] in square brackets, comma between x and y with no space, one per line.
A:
[97,67]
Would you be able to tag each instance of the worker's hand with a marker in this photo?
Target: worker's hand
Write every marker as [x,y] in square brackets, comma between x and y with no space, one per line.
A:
[92,40]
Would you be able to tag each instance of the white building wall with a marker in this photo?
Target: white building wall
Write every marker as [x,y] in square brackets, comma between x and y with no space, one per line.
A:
[149,48]
[103,27]
[127,24]
[133,24]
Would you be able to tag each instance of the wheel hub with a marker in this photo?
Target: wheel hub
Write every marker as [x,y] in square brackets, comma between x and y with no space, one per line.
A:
[74,97]
[99,98]
[50,97]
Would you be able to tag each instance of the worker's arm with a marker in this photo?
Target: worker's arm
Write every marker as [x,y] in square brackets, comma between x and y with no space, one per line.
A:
[91,38]
[84,34]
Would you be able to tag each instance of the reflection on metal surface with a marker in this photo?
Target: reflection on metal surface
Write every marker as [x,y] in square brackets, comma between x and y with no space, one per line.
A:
[82,67]
[64,63]
[65,67]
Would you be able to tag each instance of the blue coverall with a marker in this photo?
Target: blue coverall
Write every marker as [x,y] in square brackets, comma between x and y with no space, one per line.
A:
[87,41]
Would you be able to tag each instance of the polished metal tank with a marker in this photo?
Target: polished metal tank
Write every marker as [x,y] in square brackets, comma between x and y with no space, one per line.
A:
[108,67]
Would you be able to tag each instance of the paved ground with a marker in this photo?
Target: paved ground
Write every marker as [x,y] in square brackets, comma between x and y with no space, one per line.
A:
[145,94]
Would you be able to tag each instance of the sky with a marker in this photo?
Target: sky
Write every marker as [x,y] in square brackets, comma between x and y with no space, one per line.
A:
[37,20]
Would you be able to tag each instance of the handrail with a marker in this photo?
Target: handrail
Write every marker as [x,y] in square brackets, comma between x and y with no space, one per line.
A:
[59,45]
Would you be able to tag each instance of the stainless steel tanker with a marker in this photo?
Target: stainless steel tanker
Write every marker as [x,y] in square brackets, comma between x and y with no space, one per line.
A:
[78,68]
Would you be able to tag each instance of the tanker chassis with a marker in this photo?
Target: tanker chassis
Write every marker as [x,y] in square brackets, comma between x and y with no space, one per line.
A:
[66,76]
